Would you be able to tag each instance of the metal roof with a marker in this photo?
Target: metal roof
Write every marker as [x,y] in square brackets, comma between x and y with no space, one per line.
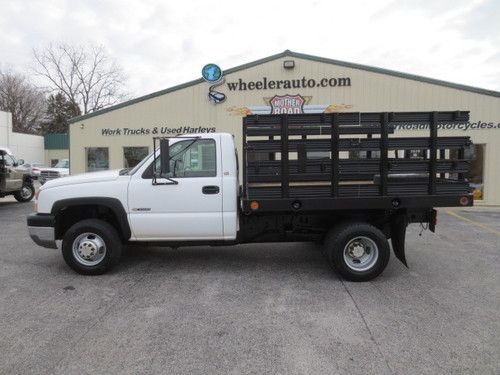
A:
[288,53]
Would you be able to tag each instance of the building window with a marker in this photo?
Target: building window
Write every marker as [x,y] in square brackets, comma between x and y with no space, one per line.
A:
[97,158]
[53,162]
[476,171]
[475,176]
[133,155]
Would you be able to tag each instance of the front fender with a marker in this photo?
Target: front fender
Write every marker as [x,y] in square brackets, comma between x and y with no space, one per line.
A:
[113,204]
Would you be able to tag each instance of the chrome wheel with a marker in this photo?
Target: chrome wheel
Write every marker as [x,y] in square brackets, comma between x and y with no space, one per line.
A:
[361,253]
[26,192]
[89,249]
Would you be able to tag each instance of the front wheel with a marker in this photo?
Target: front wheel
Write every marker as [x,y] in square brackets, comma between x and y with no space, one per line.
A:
[26,193]
[357,251]
[91,247]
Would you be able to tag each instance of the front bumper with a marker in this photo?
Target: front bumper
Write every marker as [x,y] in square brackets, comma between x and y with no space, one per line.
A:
[41,230]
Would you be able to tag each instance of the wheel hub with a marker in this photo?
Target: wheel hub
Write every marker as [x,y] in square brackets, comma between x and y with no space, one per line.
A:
[357,250]
[25,192]
[361,253]
[89,249]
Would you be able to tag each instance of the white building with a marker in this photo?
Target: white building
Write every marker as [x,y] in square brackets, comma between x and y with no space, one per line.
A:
[23,146]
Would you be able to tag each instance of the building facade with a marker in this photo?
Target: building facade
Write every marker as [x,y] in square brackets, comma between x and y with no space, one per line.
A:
[56,148]
[48,149]
[120,136]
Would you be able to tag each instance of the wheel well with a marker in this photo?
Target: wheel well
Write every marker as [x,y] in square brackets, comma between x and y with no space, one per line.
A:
[69,216]
[380,219]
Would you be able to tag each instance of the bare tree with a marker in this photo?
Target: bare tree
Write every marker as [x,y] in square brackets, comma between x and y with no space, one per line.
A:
[87,76]
[26,102]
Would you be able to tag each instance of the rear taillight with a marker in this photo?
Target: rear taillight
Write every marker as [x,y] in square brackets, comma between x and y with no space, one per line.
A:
[464,201]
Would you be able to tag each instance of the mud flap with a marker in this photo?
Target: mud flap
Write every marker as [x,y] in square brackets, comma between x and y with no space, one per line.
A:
[398,235]
[433,221]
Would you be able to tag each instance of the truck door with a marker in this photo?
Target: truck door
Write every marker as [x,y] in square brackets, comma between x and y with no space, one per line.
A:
[189,206]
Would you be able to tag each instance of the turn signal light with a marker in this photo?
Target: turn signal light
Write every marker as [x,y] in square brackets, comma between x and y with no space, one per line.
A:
[254,205]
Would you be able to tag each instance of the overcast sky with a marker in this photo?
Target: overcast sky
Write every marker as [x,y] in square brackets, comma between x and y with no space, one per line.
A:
[161,43]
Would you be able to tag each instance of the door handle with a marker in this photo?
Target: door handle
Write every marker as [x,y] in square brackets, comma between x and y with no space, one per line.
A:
[210,189]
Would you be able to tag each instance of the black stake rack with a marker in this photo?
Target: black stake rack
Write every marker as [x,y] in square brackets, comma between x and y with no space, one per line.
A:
[311,162]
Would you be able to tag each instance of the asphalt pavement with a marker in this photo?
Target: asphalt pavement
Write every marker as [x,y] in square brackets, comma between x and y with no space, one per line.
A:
[262,309]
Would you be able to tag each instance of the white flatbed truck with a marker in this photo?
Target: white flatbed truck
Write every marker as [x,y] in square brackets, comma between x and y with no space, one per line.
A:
[303,180]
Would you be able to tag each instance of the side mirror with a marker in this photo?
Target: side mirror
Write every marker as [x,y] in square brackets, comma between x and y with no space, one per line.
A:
[164,157]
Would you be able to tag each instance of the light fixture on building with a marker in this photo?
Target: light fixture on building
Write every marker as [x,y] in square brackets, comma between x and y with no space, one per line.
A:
[289,64]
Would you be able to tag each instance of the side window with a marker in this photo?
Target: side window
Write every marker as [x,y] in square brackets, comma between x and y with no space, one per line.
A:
[189,158]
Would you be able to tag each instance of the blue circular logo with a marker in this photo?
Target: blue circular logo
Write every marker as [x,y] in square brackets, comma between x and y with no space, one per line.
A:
[211,73]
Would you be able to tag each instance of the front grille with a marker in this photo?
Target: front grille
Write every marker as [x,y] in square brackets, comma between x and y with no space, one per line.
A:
[49,175]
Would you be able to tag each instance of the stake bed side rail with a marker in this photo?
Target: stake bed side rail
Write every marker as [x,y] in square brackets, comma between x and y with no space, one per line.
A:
[315,162]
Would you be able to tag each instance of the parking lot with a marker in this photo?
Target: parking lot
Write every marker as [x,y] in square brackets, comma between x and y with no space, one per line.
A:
[272,308]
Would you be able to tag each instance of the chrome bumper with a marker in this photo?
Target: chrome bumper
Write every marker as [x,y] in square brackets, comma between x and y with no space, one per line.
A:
[41,230]
[43,236]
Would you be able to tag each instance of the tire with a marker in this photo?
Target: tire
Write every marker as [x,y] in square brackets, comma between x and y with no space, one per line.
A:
[357,251]
[26,193]
[91,247]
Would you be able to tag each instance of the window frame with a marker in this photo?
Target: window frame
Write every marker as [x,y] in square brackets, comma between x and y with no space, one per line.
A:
[148,171]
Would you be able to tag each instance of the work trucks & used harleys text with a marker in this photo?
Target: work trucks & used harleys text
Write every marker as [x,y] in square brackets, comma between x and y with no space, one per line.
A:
[343,179]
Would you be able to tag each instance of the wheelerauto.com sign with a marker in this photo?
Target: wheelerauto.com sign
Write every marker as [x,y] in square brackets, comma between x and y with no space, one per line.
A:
[301,83]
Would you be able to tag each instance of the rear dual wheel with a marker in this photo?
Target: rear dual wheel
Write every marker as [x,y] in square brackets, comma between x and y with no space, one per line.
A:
[357,251]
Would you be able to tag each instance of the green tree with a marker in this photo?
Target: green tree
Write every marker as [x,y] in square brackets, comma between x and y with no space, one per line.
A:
[59,111]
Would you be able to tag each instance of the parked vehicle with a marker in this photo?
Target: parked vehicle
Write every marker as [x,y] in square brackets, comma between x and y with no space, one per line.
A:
[188,192]
[14,179]
[61,169]
[34,169]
